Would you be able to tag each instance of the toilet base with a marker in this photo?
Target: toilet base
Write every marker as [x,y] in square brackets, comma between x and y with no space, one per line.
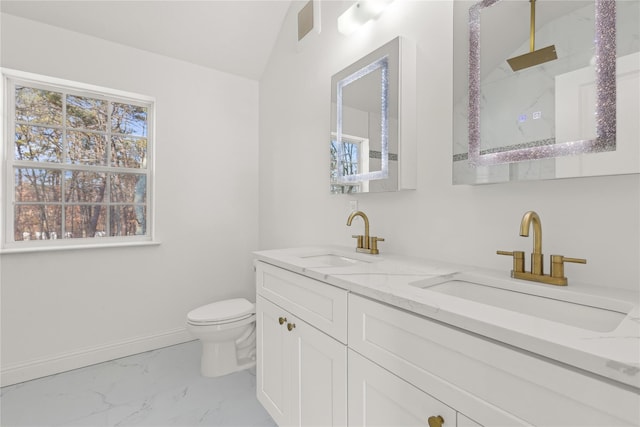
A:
[226,347]
[219,359]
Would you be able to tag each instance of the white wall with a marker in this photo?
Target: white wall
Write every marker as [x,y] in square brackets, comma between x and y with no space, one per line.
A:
[593,218]
[64,309]
[61,310]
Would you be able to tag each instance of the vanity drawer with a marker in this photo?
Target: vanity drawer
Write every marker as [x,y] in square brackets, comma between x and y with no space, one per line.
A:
[457,367]
[379,398]
[317,303]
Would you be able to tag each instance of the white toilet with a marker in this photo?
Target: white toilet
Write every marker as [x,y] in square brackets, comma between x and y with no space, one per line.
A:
[227,330]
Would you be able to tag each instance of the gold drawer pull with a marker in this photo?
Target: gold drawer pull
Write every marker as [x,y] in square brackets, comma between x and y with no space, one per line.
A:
[281,320]
[290,326]
[436,421]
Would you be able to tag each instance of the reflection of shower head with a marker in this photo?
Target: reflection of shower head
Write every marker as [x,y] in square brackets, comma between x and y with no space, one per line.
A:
[534,57]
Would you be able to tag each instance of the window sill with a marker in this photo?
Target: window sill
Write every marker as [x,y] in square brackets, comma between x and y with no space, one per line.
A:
[14,250]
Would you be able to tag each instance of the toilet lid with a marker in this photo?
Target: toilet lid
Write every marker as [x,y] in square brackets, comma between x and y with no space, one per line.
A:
[221,311]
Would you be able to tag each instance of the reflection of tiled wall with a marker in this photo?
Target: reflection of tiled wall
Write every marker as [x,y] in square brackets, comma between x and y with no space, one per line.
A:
[507,120]
[519,107]
[393,157]
[463,173]
[375,154]
[362,124]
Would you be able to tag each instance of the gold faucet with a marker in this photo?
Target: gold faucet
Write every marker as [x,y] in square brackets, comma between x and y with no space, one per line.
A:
[556,276]
[366,244]
[536,256]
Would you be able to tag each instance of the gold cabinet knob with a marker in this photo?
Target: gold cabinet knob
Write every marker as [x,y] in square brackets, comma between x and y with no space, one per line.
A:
[435,421]
[281,320]
[290,326]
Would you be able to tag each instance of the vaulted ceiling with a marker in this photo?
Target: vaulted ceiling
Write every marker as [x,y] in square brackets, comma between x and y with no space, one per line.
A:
[232,36]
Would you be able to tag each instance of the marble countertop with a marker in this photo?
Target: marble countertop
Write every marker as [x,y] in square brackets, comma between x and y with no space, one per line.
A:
[393,279]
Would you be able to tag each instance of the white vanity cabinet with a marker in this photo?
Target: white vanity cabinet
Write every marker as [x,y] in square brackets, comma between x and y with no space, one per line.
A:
[302,367]
[358,361]
[490,383]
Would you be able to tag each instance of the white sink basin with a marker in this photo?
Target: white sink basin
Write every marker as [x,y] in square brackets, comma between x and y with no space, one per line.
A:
[333,260]
[558,305]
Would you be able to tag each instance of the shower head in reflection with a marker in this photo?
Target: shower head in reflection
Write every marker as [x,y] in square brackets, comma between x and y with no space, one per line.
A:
[533,57]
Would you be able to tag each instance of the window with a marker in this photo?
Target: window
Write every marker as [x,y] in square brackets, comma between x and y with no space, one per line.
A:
[354,150]
[78,163]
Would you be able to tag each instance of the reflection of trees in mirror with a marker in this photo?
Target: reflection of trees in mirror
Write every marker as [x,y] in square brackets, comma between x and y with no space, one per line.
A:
[79,166]
[350,166]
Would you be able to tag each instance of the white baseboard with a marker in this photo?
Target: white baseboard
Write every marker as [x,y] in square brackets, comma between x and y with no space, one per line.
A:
[42,367]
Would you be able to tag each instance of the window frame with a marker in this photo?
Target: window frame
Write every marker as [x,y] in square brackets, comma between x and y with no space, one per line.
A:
[11,79]
[362,144]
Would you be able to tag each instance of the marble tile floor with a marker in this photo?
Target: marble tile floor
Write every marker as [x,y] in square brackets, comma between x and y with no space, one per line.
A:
[157,388]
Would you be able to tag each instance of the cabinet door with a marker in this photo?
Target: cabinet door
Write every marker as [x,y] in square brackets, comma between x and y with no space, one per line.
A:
[464,421]
[301,372]
[273,361]
[319,378]
[379,398]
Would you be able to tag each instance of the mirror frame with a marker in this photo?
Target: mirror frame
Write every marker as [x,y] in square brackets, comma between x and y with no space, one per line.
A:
[394,170]
[382,64]
[605,68]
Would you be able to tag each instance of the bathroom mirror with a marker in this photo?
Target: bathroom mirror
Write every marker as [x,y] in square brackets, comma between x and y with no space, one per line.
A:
[572,116]
[372,138]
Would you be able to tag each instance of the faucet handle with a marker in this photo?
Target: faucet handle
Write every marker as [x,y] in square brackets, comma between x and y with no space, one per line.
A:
[374,244]
[518,259]
[557,264]
[576,260]
[360,238]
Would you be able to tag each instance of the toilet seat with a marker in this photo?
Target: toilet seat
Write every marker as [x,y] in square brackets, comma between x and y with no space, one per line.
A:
[221,312]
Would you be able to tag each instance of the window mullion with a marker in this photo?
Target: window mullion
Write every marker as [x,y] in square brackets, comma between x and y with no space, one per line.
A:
[76,167]
[10,178]
[108,163]
[107,205]
[63,172]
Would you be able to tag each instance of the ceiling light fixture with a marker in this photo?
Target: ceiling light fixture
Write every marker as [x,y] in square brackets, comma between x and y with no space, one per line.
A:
[359,14]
